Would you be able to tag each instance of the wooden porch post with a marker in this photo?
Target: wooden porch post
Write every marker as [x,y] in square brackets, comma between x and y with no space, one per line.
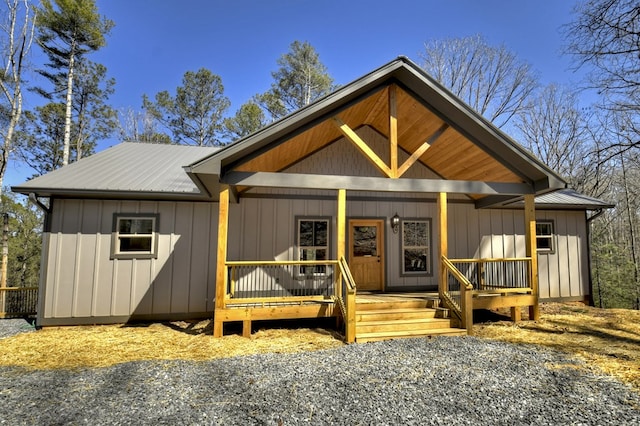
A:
[530,237]
[341,223]
[341,218]
[442,223]
[221,259]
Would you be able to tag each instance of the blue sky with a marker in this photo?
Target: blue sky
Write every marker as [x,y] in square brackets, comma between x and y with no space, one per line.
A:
[154,42]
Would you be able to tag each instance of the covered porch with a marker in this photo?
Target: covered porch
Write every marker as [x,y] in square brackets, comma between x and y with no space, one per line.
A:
[394,137]
[270,290]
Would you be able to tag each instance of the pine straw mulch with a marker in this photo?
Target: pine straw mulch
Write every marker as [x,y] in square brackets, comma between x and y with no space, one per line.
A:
[106,345]
[607,339]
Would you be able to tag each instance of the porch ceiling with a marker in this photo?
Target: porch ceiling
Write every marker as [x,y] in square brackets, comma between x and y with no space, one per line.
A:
[453,156]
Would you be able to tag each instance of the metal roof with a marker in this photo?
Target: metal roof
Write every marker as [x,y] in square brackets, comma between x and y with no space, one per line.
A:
[154,171]
[126,170]
[568,199]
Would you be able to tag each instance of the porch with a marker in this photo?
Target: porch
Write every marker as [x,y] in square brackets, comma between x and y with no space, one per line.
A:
[315,289]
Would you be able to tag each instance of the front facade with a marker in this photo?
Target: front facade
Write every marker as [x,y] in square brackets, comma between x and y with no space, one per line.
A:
[391,173]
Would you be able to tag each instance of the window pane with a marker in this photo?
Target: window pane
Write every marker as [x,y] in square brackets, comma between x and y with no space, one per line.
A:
[415,260]
[543,229]
[321,254]
[544,243]
[365,241]
[320,233]
[142,226]
[128,244]
[415,234]
[306,233]
[124,226]
[135,226]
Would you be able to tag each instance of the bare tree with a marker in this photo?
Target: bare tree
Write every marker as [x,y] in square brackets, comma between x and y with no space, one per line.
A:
[139,126]
[18,32]
[604,38]
[490,79]
[554,128]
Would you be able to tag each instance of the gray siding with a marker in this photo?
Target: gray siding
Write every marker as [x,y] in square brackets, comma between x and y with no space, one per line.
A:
[264,229]
[83,282]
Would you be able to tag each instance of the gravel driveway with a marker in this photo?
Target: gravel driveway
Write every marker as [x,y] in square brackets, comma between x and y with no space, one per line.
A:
[448,381]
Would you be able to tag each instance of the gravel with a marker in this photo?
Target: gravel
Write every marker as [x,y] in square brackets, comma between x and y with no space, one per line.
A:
[11,327]
[440,381]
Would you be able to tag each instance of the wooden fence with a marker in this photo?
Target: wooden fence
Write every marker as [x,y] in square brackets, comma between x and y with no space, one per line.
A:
[18,302]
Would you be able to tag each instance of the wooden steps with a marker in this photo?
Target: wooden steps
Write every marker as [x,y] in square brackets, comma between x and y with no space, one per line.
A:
[389,318]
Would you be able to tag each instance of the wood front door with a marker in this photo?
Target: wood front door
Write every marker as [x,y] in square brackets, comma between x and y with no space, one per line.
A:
[366,253]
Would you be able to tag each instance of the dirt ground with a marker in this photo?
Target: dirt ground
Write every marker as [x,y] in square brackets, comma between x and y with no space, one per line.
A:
[608,340]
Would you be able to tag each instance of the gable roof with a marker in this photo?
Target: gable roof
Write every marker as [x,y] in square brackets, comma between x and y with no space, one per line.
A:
[469,148]
[127,170]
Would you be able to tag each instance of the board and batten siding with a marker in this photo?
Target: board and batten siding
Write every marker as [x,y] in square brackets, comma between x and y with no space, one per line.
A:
[83,285]
[264,229]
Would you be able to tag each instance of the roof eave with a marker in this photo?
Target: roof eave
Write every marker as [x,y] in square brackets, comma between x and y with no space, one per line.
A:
[111,194]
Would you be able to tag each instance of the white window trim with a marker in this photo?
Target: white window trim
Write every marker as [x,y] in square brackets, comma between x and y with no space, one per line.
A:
[550,237]
[116,236]
[429,247]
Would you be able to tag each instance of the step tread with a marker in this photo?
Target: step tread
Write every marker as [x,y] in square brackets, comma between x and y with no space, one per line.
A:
[381,335]
[394,310]
[403,321]
[392,305]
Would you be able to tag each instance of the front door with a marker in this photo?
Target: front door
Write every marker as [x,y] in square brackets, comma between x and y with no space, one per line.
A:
[366,253]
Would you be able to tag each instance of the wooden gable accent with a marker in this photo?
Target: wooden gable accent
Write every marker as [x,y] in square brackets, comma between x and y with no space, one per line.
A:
[407,123]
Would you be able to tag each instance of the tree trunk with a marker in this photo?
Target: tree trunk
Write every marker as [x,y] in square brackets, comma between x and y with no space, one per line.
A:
[67,122]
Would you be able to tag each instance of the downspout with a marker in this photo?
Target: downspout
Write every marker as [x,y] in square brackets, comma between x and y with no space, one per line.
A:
[589,219]
[35,200]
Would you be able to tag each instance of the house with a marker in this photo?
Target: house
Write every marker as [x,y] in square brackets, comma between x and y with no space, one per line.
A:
[389,189]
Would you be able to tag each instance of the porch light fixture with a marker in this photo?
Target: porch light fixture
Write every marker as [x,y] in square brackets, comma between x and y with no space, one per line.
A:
[395,223]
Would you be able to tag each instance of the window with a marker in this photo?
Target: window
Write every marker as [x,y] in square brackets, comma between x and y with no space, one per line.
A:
[416,247]
[134,236]
[544,236]
[313,243]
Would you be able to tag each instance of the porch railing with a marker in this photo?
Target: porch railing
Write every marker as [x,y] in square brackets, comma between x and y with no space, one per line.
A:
[457,293]
[280,281]
[18,301]
[504,275]
[262,283]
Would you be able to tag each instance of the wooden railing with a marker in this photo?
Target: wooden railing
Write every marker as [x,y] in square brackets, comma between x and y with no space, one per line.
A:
[18,301]
[457,293]
[504,275]
[262,283]
[347,300]
[280,281]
